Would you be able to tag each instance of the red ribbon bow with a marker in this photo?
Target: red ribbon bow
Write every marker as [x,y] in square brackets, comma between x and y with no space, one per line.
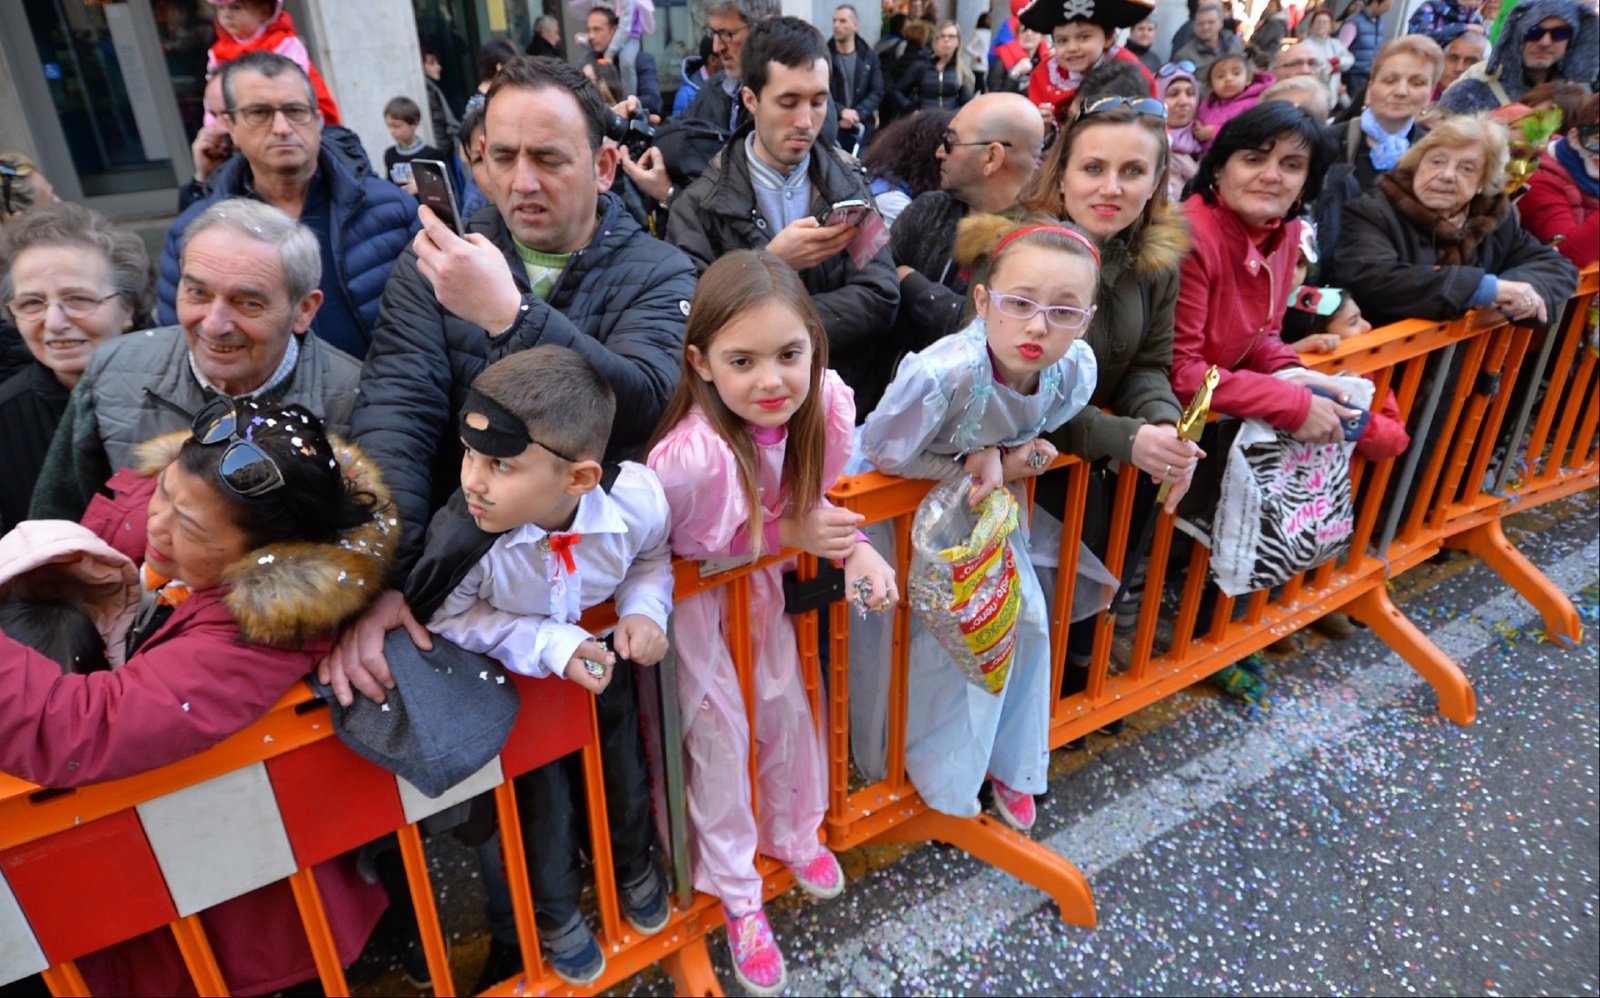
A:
[562,545]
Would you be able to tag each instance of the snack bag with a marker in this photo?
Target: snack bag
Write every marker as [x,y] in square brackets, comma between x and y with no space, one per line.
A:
[963,583]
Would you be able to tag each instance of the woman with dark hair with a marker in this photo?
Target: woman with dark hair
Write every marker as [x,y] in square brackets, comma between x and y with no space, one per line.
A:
[70,280]
[905,87]
[1243,210]
[257,537]
[901,164]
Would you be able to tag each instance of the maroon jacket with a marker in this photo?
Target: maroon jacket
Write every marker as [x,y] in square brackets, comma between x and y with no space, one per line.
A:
[194,682]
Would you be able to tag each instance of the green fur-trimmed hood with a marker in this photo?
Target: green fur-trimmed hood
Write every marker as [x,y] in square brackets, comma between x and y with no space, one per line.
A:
[290,592]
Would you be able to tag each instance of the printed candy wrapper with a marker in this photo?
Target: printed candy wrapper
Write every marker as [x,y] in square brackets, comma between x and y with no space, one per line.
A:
[963,583]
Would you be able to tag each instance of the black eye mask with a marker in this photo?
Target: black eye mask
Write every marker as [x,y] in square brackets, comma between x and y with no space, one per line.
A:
[490,429]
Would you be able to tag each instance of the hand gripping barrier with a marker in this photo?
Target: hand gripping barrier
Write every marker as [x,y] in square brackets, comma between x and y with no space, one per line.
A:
[152,851]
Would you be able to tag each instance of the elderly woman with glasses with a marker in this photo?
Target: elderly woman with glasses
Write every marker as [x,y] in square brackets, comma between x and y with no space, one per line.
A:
[1438,236]
[257,536]
[70,280]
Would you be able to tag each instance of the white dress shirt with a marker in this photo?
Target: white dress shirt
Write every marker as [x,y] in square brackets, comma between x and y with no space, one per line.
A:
[520,604]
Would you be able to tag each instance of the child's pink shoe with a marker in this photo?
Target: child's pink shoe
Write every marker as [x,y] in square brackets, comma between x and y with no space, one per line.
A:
[1014,807]
[820,878]
[757,961]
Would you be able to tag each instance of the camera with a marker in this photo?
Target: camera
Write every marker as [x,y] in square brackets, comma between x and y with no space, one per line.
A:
[634,133]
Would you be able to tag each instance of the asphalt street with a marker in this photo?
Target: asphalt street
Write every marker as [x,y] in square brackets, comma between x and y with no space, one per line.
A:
[1348,840]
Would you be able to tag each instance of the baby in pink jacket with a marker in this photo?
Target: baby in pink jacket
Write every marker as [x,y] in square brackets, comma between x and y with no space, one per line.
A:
[1232,88]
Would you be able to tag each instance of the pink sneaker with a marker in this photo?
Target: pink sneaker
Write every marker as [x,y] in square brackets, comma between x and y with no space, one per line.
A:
[757,961]
[1014,807]
[820,878]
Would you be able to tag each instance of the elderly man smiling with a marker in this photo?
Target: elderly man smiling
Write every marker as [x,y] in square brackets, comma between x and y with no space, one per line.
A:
[246,296]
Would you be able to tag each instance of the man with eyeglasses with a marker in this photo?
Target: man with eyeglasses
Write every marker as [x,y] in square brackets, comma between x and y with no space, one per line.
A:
[247,299]
[1542,41]
[361,220]
[990,152]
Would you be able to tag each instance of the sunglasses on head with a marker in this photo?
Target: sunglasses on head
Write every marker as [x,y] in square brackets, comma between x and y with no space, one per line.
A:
[1559,33]
[1147,106]
[1181,66]
[246,469]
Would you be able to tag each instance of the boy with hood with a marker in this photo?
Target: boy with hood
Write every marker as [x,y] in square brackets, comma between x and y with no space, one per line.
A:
[1543,40]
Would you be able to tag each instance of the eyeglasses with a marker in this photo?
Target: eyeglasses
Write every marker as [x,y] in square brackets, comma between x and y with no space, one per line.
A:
[1181,66]
[950,143]
[75,306]
[1559,33]
[245,468]
[1147,106]
[1062,317]
[1589,137]
[725,36]
[256,115]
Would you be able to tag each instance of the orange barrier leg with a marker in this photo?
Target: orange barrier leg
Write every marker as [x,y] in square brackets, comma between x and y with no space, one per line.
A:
[196,950]
[65,981]
[318,933]
[1489,544]
[1393,628]
[691,970]
[1000,847]
[416,863]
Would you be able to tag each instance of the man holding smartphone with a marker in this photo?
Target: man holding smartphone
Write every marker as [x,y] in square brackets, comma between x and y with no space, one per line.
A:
[774,188]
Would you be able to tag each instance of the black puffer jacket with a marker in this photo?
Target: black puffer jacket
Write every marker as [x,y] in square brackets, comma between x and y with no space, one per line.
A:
[718,214]
[621,302]
[1395,270]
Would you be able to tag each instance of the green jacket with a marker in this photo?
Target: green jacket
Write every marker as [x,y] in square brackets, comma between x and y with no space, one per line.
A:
[1131,342]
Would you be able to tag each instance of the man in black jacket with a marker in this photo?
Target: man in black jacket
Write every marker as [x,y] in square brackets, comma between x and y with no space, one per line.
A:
[555,259]
[768,186]
[990,153]
[856,81]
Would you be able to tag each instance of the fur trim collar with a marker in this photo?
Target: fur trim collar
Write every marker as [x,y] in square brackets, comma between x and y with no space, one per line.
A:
[290,592]
[1580,64]
[1164,242]
[1454,245]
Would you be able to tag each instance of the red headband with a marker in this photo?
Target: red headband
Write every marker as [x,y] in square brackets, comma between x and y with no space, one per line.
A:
[1059,230]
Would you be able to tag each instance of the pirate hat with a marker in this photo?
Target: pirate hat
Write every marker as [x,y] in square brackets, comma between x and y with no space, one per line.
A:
[1044,15]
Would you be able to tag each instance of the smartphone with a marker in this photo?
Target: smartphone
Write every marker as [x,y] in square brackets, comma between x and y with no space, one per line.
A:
[436,190]
[1353,426]
[400,172]
[849,212]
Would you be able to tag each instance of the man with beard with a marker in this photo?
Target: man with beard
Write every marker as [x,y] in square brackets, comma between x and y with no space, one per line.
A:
[772,187]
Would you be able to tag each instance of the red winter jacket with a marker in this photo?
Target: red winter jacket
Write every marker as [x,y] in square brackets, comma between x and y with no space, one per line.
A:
[1554,206]
[1231,300]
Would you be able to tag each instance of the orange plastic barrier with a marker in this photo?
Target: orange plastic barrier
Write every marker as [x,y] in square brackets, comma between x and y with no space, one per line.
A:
[93,848]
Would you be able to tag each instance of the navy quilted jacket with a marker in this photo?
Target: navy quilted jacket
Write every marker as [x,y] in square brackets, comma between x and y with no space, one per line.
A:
[622,301]
[373,220]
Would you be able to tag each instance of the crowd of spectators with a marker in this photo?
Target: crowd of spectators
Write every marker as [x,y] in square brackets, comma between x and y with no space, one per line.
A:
[307,314]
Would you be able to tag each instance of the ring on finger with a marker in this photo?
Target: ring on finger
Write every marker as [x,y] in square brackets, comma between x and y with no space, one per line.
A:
[1168,472]
[1038,459]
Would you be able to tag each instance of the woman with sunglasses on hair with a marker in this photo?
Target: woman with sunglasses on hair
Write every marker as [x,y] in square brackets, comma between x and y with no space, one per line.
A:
[257,537]
[1107,175]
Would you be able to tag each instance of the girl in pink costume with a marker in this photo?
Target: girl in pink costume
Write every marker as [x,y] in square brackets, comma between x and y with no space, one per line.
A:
[758,430]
